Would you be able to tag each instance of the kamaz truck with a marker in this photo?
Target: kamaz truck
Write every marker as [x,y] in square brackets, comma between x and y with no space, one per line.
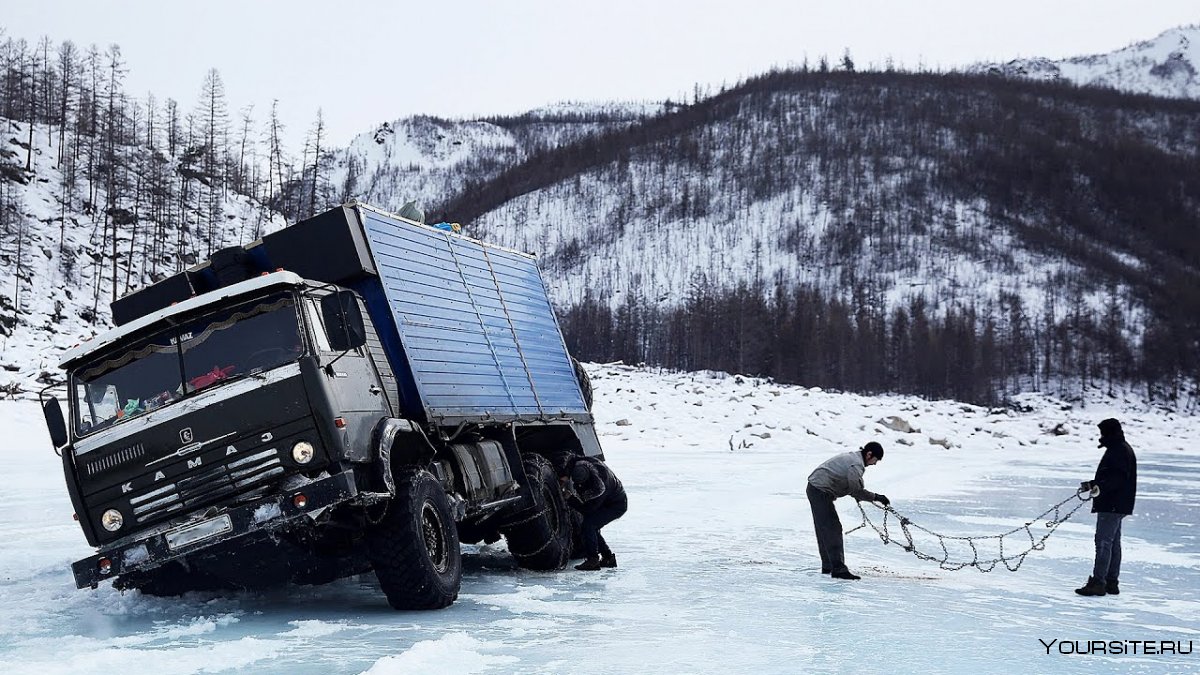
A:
[355,391]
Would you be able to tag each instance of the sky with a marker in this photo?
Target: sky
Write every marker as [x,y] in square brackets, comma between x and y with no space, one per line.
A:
[363,62]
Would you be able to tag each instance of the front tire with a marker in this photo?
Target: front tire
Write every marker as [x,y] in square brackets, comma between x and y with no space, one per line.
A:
[414,548]
[541,540]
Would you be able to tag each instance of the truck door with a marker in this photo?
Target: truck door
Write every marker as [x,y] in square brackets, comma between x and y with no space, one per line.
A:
[355,387]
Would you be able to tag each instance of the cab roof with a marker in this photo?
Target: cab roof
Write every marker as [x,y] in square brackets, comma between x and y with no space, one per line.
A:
[282,279]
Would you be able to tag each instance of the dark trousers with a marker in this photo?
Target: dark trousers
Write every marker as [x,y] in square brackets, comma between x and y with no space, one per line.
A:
[1108,546]
[829,530]
[593,541]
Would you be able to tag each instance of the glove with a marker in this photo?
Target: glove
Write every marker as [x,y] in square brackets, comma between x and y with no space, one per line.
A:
[882,499]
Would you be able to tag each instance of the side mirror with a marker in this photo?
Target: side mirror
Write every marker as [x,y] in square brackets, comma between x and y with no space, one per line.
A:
[343,321]
[55,422]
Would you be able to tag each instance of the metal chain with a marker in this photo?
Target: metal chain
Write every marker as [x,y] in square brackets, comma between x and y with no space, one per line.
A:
[907,527]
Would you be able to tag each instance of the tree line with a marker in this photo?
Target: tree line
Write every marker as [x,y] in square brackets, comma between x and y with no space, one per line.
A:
[798,334]
[153,178]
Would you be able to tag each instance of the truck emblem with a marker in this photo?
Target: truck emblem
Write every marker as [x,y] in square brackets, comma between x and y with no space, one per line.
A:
[230,451]
[190,447]
[126,487]
[186,436]
[159,476]
[266,438]
[193,463]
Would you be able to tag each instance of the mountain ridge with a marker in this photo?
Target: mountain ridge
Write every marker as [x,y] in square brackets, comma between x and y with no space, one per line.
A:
[1166,65]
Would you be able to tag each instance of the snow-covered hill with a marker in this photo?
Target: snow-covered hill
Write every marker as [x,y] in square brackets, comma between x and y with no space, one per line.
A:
[1168,65]
[428,160]
[843,185]
[62,267]
[718,572]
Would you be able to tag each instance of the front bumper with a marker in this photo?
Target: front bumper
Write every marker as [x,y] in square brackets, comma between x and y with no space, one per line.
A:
[268,513]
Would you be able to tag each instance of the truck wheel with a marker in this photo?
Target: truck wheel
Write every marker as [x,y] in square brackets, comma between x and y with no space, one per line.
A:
[414,548]
[542,539]
[585,382]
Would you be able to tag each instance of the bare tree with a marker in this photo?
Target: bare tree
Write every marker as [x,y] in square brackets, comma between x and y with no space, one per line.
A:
[67,55]
[317,133]
[173,132]
[212,113]
[847,63]
[114,127]
[239,183]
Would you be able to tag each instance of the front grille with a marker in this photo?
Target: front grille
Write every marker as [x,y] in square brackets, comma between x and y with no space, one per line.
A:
[252,473]
[115,459]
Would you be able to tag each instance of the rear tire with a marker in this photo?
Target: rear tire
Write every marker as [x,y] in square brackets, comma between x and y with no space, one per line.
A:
[542,539]
[585,382]
[414,548]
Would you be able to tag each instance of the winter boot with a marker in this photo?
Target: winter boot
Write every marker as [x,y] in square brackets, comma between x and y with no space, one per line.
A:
[1111,587]
[845,574]
[589,565]
[1093,586]
[608,559]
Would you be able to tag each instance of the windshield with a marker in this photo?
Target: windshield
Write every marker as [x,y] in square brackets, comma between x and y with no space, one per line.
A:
[244,340]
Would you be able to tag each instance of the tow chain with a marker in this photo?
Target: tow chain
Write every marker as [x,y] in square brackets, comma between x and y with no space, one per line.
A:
[907,528]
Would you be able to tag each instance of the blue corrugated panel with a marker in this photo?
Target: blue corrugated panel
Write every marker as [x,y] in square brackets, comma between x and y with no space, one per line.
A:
[476,325]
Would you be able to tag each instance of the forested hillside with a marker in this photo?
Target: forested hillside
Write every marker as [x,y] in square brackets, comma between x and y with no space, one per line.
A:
[101,193]
[944,234]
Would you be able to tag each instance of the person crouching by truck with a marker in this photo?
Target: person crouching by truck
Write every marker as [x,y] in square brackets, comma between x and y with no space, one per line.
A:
[592,489]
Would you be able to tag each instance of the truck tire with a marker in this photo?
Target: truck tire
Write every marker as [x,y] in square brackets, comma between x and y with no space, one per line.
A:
[541,540]
[585,382]
[414,547]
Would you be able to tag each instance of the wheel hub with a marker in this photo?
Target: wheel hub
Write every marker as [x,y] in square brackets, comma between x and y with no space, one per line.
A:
[434,535]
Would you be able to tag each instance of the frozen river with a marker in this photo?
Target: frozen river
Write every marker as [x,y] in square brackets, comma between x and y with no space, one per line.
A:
[719,571]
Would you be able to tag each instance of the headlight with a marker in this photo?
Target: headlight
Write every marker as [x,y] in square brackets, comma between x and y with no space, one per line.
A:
[302,452]
[112,520]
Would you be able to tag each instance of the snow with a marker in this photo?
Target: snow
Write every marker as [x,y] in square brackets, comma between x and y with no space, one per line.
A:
[1164,66]
[266,512]
[429,159]
[718,566]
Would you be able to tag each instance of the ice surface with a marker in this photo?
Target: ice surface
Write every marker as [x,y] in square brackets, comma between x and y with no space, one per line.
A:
[719,572]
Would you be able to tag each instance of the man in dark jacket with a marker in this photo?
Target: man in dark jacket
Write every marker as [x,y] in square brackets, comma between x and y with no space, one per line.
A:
[837,477]
[596,492]
[1116,482]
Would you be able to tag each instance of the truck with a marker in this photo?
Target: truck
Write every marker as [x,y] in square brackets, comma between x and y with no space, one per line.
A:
[354,391]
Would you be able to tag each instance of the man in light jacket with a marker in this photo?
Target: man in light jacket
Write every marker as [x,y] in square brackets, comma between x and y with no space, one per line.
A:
[839,476]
